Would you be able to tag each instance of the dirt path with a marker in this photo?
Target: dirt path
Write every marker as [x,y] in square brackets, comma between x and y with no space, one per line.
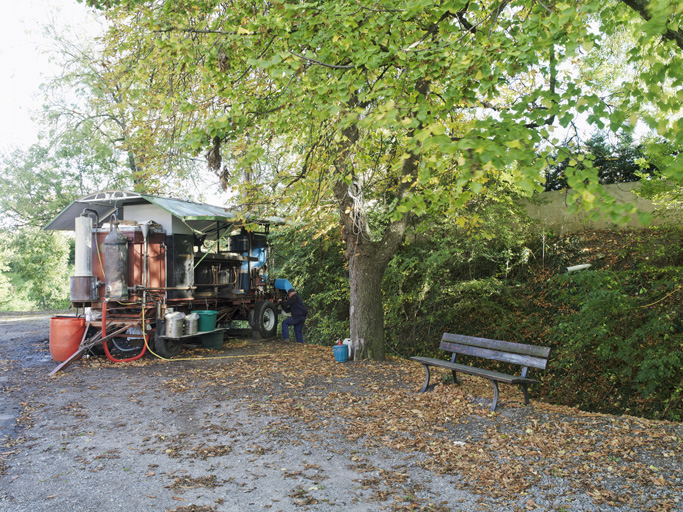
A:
[266,426]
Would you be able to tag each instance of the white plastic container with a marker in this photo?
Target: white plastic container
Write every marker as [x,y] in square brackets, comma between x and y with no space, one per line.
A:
[578,267]
[349,345]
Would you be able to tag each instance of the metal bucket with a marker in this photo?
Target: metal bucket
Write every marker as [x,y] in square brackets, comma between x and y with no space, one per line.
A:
[191,324]
[174,325]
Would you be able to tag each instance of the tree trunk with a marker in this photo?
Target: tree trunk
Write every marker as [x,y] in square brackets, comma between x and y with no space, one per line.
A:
[368,259]
[366,313]
[367,262]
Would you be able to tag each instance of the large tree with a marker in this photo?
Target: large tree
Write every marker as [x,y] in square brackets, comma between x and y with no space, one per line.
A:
[83,103]
[80,146]
[85,143]
[408,107]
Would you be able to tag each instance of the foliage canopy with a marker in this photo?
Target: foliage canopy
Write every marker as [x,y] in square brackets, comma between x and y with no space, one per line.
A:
[458,89]
[408,108]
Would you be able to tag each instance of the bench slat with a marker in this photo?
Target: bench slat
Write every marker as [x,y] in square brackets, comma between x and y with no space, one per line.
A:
[496,355]
[470,370]
[503,346]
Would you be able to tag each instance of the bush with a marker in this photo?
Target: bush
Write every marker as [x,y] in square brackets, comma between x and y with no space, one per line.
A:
[615,330]
[316,268]
[614,351]
[37,269]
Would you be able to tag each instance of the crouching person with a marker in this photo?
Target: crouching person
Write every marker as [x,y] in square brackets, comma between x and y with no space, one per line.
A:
[295,305]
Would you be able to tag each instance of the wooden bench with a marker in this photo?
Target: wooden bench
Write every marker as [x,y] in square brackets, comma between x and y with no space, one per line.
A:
[526,356]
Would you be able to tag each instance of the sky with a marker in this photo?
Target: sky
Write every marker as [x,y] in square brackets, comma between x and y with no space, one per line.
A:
[25,61]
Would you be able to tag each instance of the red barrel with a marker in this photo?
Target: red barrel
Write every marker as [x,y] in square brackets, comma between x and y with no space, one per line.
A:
[66,333]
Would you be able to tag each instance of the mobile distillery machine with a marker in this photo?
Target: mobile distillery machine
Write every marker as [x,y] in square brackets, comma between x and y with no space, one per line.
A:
[144,264]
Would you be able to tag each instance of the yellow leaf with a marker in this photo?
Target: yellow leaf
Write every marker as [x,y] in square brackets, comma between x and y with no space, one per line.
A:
[437,129]
[662,127]
[479,75]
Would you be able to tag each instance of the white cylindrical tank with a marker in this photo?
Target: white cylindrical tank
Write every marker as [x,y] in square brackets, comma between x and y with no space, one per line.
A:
[83,254]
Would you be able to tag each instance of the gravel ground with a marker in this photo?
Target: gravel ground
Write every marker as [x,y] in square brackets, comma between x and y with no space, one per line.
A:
[262,426]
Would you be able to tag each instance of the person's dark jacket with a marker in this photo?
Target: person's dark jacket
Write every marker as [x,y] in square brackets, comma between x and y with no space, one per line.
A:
[294,305]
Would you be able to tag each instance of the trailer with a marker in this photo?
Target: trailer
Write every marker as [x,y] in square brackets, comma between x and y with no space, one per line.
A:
[143,261]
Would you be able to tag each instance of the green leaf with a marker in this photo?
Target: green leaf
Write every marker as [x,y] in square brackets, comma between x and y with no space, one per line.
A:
[645,218]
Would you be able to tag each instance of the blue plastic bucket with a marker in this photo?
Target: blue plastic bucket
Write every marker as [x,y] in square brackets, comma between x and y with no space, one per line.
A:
[207,320]
[341,353]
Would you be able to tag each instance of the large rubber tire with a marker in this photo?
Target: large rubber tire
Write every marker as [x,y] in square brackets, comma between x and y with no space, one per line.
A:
[167,348]
[265,319]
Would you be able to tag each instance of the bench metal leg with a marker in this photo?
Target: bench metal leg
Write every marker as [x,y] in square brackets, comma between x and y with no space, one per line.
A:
[455,377]
[526,394]
[426,384]
[495,395]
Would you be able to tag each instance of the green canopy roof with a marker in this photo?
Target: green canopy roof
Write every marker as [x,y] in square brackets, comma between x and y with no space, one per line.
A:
[201,218]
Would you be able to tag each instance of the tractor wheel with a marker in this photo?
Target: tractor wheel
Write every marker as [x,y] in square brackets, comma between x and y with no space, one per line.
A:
[265,319]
